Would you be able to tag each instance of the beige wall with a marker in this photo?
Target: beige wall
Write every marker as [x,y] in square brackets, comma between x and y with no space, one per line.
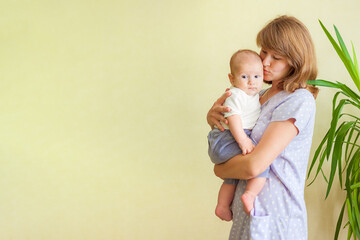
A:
[103,105]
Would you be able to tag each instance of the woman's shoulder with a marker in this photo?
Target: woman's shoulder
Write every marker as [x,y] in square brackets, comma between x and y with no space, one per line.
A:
[304,92]
[304,95]
[300,95]
[297,98]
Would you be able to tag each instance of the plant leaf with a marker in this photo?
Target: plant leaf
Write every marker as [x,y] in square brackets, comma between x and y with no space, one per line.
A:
[342,44]
[347,153]
[334,121]
[323,83]
[350,214]
[316,155]
[334,160]
[356,211]
[347,62]
[338,224]
[355,61]
[356,185]
[350,93]
[338,146]
[339,51]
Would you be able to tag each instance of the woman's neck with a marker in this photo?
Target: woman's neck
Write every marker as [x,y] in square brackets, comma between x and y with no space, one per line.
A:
[276,84]
[273,90]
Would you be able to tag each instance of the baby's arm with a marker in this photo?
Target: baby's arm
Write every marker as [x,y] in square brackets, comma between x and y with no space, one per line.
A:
[236,129]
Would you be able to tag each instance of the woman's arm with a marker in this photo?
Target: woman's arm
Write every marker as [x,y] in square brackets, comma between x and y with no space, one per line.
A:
[215,116]
[276,137]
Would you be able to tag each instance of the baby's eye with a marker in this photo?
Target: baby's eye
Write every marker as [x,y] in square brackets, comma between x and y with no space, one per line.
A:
[257,76]
[244,76]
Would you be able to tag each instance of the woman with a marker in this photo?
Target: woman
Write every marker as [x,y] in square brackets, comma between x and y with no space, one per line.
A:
[283,135]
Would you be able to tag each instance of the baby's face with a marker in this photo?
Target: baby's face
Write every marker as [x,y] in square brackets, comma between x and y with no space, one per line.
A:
[249,77]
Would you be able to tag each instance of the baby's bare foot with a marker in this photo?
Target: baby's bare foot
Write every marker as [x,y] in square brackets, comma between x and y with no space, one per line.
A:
[248,199]
[223,212]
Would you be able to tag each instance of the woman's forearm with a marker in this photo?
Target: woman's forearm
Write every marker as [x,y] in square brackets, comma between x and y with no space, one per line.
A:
[238,167]
[276,137]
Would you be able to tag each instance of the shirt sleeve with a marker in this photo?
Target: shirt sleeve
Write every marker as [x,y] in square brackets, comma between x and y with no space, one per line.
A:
[235,102]
[299,105]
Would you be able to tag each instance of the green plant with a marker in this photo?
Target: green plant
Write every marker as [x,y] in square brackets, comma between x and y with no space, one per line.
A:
[340,144]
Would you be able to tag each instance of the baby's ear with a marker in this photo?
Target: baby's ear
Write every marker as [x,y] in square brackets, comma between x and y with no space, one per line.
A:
[231,78]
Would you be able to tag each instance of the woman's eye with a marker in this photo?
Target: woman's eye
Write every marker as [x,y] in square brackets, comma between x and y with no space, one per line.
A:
[277,58]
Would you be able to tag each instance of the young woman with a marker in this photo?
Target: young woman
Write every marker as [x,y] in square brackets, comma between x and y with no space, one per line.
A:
[283,134]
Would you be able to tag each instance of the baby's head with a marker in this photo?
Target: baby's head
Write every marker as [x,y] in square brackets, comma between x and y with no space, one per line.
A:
[246,71]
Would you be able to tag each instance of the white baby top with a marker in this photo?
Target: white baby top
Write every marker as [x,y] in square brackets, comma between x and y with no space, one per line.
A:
[246,106]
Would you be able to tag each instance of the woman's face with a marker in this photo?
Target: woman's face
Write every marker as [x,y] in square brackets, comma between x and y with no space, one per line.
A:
[276,67]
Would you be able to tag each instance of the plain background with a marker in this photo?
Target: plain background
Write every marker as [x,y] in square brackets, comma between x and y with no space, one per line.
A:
[103,113]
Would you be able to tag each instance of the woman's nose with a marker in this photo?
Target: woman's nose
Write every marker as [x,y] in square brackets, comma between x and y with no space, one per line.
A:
[266,61]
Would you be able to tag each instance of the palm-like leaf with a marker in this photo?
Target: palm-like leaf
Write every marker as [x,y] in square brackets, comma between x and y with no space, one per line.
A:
[340,144]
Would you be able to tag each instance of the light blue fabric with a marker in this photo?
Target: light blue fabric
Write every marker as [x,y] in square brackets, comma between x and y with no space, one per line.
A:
[223,146]
[279,212]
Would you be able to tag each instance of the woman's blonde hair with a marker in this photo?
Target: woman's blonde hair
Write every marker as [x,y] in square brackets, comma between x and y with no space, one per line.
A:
[290,38]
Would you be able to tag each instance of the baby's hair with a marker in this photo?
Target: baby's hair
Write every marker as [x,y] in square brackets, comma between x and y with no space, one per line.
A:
[237,56]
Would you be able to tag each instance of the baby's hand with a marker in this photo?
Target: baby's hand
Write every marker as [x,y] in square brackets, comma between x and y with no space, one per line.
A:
[246,146]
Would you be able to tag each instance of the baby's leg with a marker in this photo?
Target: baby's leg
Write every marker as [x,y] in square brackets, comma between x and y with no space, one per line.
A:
[225,198]
[253,188]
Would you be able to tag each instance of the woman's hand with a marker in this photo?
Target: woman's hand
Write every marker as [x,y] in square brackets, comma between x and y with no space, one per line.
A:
[215,116]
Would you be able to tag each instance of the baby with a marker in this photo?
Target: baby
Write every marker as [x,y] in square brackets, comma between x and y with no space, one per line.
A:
[246,78]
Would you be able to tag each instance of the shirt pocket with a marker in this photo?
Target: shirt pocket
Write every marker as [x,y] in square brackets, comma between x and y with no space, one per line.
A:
[266,227]
[259,227]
